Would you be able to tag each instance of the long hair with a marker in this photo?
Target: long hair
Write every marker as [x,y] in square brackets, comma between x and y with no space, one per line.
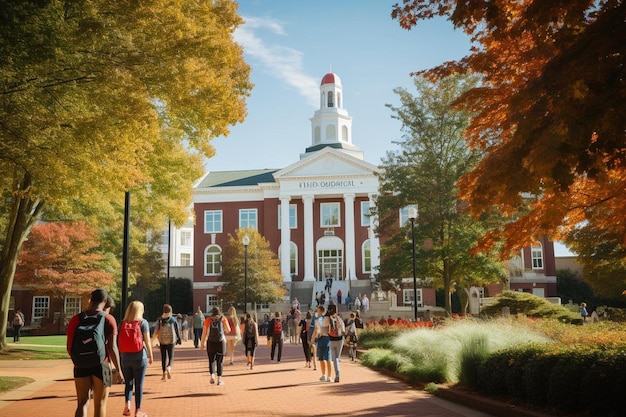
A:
[134,311]
[232,312]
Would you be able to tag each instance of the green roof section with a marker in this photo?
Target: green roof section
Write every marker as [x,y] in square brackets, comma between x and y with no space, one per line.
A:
[237,178]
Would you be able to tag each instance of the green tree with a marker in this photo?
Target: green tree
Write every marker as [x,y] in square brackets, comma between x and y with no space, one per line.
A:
[424,172]
[549,111]
[102,97]
[571,287]
[181,298]
[265,281]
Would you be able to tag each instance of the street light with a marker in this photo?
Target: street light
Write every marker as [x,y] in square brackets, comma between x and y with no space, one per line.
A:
[246,242]
[412,217]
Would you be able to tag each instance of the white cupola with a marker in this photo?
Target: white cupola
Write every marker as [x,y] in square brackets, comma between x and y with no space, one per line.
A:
[331,125]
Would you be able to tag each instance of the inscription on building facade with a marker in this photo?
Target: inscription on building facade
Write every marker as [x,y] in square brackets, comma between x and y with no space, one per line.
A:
[326,184]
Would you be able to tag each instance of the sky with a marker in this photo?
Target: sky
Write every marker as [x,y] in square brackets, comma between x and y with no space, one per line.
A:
[290,45]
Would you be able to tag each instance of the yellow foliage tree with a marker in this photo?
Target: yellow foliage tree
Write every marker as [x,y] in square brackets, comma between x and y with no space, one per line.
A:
[102,97]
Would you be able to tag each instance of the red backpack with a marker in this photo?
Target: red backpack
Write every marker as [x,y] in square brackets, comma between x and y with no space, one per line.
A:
[278,326]
[130,338]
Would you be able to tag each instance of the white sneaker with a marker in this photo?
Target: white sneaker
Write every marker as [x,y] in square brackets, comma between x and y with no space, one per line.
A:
[323,378]
[169,374]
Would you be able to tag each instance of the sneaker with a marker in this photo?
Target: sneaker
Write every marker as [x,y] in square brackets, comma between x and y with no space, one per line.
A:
[220,383]
[140,413]
[323,378]
[337,379]
[168,371]
[163,378]
[212,379]
[126,411]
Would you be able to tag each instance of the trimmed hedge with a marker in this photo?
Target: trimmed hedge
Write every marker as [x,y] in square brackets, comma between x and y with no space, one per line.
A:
[581,379]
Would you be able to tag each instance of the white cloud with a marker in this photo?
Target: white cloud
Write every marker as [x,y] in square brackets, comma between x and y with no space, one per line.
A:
[283,62]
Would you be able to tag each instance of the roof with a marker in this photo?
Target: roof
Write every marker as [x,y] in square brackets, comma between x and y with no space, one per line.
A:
[330,78]
[237,178]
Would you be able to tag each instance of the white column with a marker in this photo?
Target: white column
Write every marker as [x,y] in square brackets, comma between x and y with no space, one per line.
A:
[285,240]
[309,247]
[348,200]
[374,242]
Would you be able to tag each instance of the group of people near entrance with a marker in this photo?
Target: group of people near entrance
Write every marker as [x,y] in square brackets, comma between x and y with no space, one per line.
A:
[105,353]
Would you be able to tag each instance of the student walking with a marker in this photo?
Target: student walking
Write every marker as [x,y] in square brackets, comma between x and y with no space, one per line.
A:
[91,338]
[198,322]
[232,336]
[18,323]
[250,334]
[214,338]
[321,336]
[336,333]
[275,333]
[167,333]
[304,326]
[136,354]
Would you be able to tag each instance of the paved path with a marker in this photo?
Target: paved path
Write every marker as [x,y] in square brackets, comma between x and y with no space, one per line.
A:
[271,389]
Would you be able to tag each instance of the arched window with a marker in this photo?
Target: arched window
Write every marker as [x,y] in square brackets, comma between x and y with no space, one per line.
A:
[344,133]
[366,257]
[293,258]
[536,255]
[212,260]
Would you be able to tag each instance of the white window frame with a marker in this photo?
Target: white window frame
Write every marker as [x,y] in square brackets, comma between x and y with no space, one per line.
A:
[185,259]
[214,223]
[404,213]
[293,217]
[41,307]
[71,307]
[216,261]
[327,212]
[536,255]
[249,218]
[366,214]
[407,297]
[185,238]
[366,257]
[212,300]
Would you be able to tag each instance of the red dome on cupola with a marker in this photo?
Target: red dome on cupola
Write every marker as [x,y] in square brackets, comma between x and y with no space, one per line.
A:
[330,78]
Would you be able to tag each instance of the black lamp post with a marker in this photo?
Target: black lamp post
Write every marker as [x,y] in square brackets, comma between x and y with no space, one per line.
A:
[246,242]
[412,217]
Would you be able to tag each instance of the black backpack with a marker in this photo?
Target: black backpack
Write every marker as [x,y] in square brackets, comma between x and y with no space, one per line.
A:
[89,344]
[216,330]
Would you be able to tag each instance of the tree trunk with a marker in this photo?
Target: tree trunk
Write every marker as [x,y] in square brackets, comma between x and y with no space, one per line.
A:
[23,214]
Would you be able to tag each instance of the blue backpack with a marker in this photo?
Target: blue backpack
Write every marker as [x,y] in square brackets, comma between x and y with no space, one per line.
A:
[89,344]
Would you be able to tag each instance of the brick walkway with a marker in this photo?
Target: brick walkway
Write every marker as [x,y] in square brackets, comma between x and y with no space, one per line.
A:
[271,389]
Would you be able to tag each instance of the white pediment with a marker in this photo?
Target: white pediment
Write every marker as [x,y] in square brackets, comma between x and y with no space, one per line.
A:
[327,162]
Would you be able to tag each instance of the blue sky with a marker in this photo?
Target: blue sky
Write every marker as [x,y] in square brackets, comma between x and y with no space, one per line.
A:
[290,45]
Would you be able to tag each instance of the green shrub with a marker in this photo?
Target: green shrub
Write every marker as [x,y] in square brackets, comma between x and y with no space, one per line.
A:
[529,305]
[474,351]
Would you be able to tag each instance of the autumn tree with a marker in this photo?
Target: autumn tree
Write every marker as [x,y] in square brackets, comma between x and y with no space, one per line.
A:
[62,259]
[102,97]
[265,281]
[549,112]
[423,173]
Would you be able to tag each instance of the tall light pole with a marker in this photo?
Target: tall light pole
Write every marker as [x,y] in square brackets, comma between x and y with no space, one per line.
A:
[246,242]
[412,217]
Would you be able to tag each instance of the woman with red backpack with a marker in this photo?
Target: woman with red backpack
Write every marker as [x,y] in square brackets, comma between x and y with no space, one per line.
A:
[136,354]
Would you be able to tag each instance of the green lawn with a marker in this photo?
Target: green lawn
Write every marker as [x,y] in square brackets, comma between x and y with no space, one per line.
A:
[47,347]
[8,383]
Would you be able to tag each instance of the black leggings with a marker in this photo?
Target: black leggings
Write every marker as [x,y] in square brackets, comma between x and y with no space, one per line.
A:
[167,356]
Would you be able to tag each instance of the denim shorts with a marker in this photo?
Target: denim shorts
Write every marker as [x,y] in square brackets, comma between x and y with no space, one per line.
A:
[323,348]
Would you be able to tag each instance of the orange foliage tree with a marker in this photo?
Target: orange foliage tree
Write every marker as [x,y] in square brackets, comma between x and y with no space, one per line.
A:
[550,112]
[62,259]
